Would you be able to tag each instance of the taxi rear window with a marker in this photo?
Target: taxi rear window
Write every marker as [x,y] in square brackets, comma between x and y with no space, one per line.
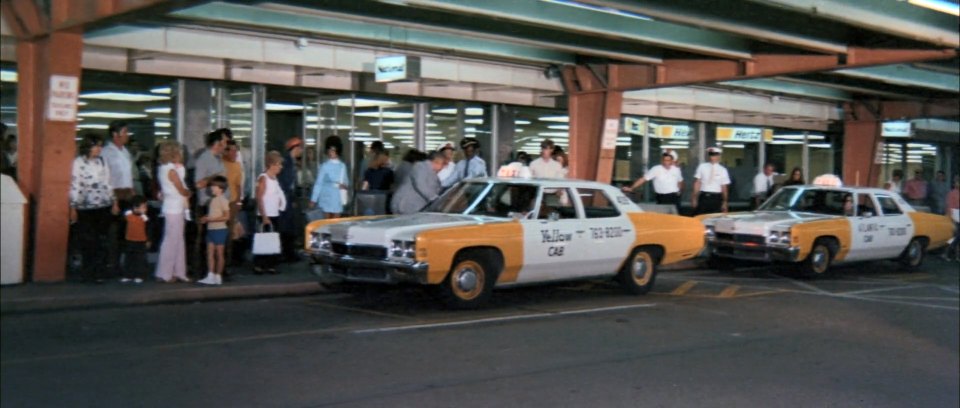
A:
[596,204]
[889,206]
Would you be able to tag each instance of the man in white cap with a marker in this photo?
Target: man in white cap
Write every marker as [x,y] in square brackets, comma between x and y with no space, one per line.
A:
[667,180]
[711,188]
[471,166]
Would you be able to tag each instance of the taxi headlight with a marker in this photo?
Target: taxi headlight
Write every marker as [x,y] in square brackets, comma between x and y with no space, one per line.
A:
[785,237]
[774,237]
[403,249]
[321,241]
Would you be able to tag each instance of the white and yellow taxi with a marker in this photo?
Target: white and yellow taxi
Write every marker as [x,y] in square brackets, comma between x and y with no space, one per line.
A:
[818,226]
[487,233]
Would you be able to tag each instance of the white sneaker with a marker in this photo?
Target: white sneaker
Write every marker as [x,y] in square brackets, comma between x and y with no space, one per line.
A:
[125,280]
[210,279]
[219,279]
[137,280]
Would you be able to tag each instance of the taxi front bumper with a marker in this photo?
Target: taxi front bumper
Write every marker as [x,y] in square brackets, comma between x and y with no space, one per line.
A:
[354,269]
[752,252]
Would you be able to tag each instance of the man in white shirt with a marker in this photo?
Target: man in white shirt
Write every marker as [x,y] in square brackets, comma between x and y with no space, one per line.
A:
[120,162]
[711,189]
[667,180]
[471,166]
[763,184]
[544,166]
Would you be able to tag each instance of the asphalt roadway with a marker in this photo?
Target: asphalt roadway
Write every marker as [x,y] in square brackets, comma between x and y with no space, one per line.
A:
[869,336]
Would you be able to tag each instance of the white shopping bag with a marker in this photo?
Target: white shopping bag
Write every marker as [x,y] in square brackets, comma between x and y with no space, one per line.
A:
[266,243]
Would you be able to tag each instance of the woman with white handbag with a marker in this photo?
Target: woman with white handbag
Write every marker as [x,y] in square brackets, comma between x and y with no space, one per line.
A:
[330,192]
[270,201]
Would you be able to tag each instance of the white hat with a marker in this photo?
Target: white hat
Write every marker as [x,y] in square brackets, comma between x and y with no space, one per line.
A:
[714,150]
[672,153]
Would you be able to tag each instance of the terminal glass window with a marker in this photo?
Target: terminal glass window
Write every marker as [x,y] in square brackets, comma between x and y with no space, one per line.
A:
[521,142]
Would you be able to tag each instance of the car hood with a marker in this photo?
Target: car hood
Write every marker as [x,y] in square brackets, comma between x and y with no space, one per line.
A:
[380,231]
[761,222]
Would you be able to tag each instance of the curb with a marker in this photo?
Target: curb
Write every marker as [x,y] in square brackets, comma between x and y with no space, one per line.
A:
[187,295]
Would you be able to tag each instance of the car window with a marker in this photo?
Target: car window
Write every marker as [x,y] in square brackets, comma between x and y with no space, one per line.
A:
[781,200]
[507,200]
[596,204]
[556,201]
[457,199]
[828,202]
[865,205]
[889,206]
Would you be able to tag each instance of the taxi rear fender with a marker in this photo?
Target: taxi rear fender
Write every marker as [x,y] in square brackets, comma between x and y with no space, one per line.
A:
[678,238]
[936,229]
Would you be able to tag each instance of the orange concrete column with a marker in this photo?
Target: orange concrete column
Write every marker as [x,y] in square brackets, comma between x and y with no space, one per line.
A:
[860,140]
[47,147]
[590,110]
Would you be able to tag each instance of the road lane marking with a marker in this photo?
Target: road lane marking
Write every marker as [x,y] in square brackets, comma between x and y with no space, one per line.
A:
[365,311]
[684,288]
[729,291]
[458,323]
[864,291]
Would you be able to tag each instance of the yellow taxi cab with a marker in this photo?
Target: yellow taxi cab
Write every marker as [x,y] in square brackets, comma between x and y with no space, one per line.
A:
[496,232]
[819,226]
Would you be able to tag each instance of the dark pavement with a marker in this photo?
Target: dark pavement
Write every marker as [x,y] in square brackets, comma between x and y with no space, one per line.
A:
[871,335]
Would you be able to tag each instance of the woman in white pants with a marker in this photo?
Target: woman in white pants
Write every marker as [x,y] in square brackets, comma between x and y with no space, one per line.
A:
[172,263]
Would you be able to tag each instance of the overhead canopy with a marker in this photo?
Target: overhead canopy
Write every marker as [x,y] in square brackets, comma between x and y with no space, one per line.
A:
[826,50]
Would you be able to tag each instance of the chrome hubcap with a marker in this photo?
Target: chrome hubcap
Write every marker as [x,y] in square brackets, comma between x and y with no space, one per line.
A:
[819,259]
[639,268]
[914,251]
[467,280]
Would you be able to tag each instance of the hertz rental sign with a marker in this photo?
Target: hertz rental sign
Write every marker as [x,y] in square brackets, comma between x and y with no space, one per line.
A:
[740,134]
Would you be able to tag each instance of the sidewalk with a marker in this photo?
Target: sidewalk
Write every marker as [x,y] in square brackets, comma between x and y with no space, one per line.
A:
[295,279]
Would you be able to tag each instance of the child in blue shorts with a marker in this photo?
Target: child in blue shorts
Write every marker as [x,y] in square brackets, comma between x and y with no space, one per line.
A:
[217,233]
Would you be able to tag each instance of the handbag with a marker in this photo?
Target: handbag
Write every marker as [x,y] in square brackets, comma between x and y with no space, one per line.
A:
[344,194]
[266,242]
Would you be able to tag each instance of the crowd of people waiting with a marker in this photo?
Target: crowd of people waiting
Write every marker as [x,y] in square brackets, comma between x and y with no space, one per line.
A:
[204,211]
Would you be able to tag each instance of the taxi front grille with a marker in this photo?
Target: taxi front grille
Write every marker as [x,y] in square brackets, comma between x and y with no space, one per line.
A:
[741,238]
[359,251]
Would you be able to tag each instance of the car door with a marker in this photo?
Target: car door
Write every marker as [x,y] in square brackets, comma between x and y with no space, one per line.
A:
[550,238]
[608,233]
[865,230]
[896,227]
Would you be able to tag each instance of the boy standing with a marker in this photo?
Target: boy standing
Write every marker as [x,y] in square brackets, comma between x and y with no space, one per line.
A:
[136,243]
[218,213]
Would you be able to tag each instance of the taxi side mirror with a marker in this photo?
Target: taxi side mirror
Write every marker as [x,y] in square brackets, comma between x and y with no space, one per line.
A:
[866,214]
[553,216]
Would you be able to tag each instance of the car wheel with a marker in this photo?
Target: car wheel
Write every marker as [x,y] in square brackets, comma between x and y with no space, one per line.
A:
[639,272]
[469,283]
[912,256]
[818,262]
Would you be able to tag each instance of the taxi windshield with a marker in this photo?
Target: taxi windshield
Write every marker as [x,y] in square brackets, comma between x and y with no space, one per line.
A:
[820,201]
[490,199]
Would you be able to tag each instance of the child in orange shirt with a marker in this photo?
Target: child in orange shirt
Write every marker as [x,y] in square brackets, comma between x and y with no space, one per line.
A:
[136,243]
